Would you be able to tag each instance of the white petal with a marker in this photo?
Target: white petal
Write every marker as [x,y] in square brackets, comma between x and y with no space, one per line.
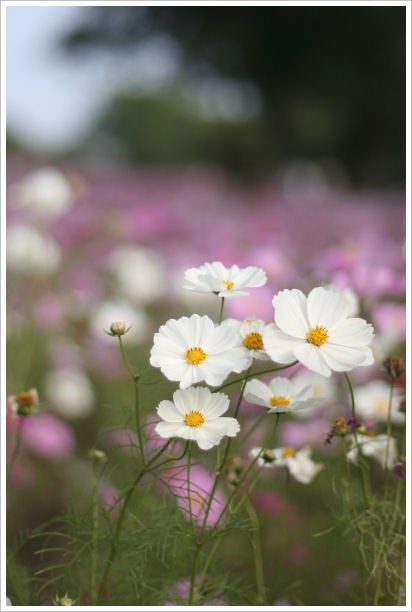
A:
[168,430]
[326,308]
[256,392]
[368,358]
[230,424]
[218,405]
[278,345]
[281,386]
[351,332]
[168,412]
[312,358]
[290,312]
[341,358]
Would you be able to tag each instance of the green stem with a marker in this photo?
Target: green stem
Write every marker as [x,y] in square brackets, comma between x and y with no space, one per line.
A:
[357,525]
[16,448]
[135,377]
[12,581]
[95,524]
[257,553]
[120,520]
[388,433]
[221,310]
[252,429]
[362,474]
[189,499]
[194,572]
[248,376]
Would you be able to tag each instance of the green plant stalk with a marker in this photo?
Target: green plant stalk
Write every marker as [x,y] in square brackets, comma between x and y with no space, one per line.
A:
[95,526]
[257,553]
[16,448]
[361,470]
[357,525]
[121,517]
[189,499]
[388,433]
[252,429]
[221,310]
[253,375]
[12,581]
[135,377]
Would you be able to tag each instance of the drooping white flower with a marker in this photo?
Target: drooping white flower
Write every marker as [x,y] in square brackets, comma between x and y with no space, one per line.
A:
[31,252]
[140,274]
[323,390]
[195,414]
[299,463]
[118,310]
[251,336]
[317,331]
[224,282]
[280,395]
[192,349]
[46,192]
[374,447]
[70,392]
[372,402]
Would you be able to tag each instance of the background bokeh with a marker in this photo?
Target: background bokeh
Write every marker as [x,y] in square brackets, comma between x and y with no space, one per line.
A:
[146,140]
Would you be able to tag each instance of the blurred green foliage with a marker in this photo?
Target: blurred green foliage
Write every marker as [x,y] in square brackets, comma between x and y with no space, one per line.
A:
[332,81]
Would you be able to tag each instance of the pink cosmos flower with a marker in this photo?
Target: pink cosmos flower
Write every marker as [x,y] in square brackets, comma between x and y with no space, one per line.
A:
[47,436]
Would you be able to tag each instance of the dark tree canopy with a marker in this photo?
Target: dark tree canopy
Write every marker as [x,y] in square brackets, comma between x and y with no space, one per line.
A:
[332,78]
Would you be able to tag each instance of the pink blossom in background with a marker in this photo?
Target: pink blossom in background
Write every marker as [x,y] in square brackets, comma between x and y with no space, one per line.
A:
[297,554]
[21,475]
[47,436]
[298,434]
[389,315]
[201,483]
[108,496]
[268,502]
[49,312]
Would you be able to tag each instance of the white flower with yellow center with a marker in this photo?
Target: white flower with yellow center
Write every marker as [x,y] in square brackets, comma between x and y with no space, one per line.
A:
[192,349]
[224,282]
[323,390]
[298,462]
[317,332]
[374,447]
[280,395]
[195,414]
[372,402]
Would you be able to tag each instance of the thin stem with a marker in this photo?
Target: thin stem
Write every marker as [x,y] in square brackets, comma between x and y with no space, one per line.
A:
[253,375]
[193,577]
[388,434]
[189,499]
[95,524]
[362,474]
[120,520]
[257,553]
[252,429]
[16,448]
[221,310]
[135,378]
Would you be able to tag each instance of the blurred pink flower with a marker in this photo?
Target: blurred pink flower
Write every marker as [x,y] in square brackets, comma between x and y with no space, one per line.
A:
[181,591]
[389,315]
[297,555]
[48,436]
[108,496]
[268,502]
[297,434]
[201,483]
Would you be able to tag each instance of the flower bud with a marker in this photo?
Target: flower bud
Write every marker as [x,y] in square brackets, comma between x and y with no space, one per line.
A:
[395,367]
[118,328]
[97,455]
[235,464]
[268,456]
[66,601]
[27,401]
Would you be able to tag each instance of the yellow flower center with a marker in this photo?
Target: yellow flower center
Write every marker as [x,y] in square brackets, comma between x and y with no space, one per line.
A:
[279,400]
[194,419]
[253,341]
[195,355]
[288,451]
[317,335]
[228,284]
[26,398]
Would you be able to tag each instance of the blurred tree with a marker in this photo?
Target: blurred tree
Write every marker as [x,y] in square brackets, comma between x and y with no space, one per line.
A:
[332,81]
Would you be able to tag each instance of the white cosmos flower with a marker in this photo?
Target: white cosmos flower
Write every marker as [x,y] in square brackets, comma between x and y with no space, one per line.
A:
[251,336]
[192,349]
[349,295]
[317,331]
[372,402]
[225,282]
[374,447]
[280,395]
[323,390]
[299,463]
[31,252]
[46,191]
[70,392]
[195,414]
[140,274]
